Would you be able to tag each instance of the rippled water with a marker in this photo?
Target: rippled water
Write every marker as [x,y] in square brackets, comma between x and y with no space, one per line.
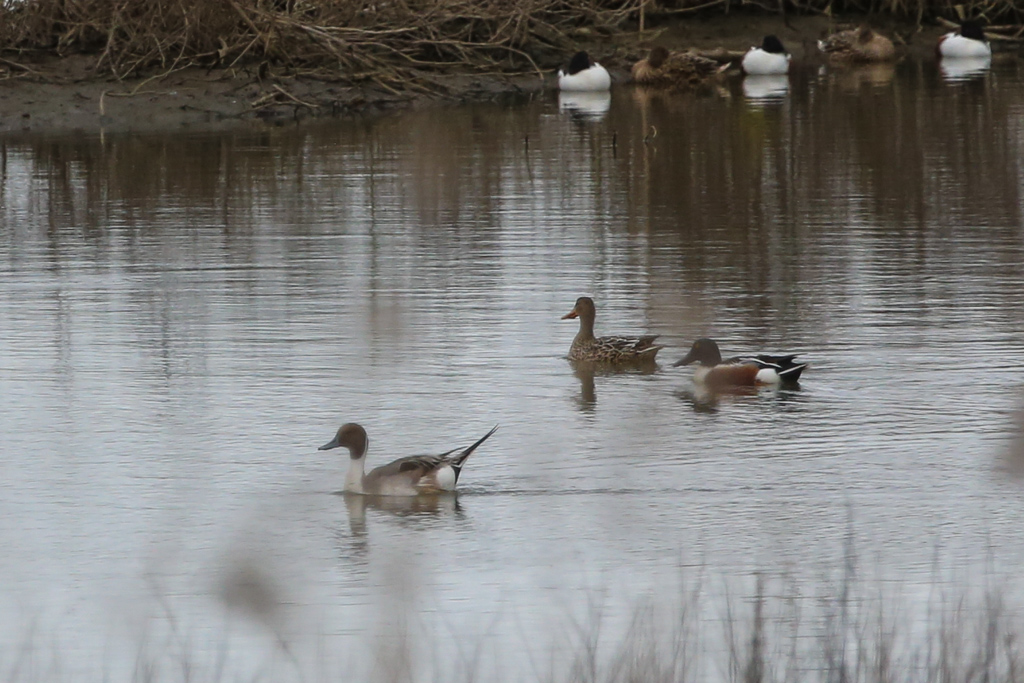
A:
[184,319]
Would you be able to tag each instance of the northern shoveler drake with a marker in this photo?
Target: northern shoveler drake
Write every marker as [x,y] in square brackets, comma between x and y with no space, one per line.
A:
[714,372]
[664,69]
[858,45]
[968,42]
[409,476]
[583,74]
[587,347]
[769,59]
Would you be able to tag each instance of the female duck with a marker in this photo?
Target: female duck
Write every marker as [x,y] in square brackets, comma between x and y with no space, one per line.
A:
[583,75]
[969,42]
[769,59]
[858,45]
[664,69]
[410,476]
[587,347]
[715,373]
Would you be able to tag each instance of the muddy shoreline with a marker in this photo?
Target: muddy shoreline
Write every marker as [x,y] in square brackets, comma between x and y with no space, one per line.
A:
[61,96]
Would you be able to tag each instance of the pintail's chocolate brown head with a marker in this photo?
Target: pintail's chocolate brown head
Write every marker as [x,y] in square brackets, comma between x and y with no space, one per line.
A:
[352,437]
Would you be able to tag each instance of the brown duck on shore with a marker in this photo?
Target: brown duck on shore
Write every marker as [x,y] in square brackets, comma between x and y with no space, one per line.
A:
[587,347]
[664,69]
[859,45]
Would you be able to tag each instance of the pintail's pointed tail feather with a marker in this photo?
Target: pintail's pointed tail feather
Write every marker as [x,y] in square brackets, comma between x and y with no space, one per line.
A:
[459,460]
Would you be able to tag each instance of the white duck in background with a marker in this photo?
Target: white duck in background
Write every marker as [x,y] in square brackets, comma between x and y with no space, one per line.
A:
[769,59]
[583,75]
[967,43]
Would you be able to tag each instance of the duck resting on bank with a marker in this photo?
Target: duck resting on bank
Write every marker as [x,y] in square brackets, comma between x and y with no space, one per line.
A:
[409,476]
[612,349]
[858,45]
[664,69]
[739,371]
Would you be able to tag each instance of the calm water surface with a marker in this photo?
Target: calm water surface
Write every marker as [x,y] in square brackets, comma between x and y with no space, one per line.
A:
[184,319]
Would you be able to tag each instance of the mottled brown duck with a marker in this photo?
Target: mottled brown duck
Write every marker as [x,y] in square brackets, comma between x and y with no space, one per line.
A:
[611,349]
[664,69]
[859,45]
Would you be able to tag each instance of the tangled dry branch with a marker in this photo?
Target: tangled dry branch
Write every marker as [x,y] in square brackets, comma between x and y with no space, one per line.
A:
[383,40]
[355,38]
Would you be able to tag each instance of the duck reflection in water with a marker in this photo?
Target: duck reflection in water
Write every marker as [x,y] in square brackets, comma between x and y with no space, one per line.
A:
[957,69]
[854,77]
[589,106]
[768,88]
[407,510]
[1014,454]
[705,400]
[587,371]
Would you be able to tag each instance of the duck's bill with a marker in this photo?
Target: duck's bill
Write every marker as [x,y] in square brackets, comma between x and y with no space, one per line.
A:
[570,314]
[333,443]
[685,360]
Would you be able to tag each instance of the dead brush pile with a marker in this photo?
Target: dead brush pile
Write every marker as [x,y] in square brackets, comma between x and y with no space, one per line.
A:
[356,39]
[381,40]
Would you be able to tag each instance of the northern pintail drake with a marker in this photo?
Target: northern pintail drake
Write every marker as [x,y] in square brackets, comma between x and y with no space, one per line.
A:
[714,372]
[768,60]
[664,69]
[858,45]
[409,476]
[582,74]
[587,347]
[968,42]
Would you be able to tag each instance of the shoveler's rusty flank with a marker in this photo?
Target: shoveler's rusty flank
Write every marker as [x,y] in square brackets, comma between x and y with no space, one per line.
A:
[664,69]
[762,369]
[859,45]
[611,349]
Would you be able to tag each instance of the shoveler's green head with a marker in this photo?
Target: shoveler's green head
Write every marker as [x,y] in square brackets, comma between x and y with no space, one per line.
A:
[352,437]
[704,351]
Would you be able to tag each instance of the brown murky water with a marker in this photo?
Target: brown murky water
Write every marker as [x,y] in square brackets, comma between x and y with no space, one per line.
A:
[183,320]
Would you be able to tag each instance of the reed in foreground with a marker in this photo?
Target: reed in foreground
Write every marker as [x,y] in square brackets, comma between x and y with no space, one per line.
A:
[775,632]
